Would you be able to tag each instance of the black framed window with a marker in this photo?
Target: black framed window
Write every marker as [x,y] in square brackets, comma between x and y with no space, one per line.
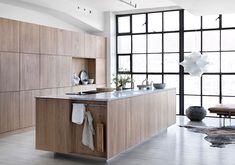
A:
[150,45]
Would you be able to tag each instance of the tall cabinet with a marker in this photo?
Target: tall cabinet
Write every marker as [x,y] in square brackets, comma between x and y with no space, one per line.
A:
[38,60]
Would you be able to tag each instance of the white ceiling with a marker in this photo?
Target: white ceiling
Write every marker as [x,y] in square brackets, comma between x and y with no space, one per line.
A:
[116,5]
[207,7]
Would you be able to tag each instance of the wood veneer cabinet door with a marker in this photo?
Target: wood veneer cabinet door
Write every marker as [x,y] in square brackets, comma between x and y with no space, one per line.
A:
[100,47]
[53,125]
[100,71]
[29,38]
[9,35]
[63,68]
[78,44]
[117,137]
[9,111]
[64,42]
[90,46]
[9,71]
[29,71]
[48,71]
[27,108]
[48,40]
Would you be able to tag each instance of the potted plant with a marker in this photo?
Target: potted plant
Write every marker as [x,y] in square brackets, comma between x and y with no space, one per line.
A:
[121,80]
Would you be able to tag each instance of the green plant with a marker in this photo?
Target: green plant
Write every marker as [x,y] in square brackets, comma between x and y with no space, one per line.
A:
[121,80]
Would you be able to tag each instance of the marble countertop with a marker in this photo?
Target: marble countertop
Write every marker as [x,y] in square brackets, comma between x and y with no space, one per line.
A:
[107,96]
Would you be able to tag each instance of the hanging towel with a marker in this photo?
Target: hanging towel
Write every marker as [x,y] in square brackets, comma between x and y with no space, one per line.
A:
[88,131]
[78,113]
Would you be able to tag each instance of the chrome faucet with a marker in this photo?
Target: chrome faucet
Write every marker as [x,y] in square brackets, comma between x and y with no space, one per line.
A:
[147,82]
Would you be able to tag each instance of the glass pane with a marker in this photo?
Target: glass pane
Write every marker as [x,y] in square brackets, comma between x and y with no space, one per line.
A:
[154,22]
[154,43]
[139,23]
[139,43]
[155,78]
[138,79]
[211,40]
[191,21]
[139,62]
[172,81]
[227,62]
[171,42]
[210,85]
[191,101]
[210,21]
[154,63]
[228,100]
[228,39]
[171,62]
[228,87]
[124,24]
[210,102]
[124,63]
[192,41]
[214,62]
[228,20]
[124,44]
[192,85]
[171,21]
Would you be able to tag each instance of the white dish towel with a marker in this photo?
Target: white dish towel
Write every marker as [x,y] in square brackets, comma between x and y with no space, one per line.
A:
[88,131]
[78,113]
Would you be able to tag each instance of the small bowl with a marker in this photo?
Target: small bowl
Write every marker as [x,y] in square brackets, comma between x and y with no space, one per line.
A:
[85,82]
[91,81]
[159,85]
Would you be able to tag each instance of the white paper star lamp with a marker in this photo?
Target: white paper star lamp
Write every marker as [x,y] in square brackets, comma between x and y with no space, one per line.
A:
[195,64]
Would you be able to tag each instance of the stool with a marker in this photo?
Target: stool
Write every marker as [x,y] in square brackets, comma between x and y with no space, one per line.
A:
[223,110]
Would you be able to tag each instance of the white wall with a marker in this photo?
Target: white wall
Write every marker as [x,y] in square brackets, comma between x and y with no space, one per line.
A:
[30,16]
[110,33]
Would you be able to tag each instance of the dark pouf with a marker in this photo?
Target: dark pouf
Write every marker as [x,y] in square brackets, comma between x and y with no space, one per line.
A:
[195,113]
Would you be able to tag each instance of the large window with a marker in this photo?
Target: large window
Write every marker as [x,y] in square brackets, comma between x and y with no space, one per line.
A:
[150,45]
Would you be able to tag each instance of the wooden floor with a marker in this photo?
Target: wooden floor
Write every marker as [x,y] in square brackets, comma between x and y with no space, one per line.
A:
[176,146]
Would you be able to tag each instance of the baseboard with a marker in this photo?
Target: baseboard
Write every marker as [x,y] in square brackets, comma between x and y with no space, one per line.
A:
[5,134]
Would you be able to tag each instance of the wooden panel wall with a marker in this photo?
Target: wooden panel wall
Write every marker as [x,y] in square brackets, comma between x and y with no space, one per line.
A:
[38,60]
[133,120]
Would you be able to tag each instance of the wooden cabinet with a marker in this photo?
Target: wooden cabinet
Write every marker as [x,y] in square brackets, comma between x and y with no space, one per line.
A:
[100,47]
[27,108]
[48,71]
[9,72]
[64,42]
[95,46]
[48,40]
[29,38]
[9,32]
[78,44]
[63,71]
[90,46]
[29,71]
[40,58]
[9,111]
[100,71]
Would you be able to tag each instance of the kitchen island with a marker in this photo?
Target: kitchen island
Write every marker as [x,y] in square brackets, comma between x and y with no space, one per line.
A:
[121,120]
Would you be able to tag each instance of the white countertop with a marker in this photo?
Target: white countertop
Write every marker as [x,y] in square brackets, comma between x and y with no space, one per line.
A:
[106,96]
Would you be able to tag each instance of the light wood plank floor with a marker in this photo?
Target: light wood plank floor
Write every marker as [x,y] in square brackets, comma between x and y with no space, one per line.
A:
[176,146]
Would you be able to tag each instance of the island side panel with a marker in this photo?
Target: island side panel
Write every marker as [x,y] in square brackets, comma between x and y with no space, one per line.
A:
[117,126]
[133,120]
[171,107]
[53,127]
